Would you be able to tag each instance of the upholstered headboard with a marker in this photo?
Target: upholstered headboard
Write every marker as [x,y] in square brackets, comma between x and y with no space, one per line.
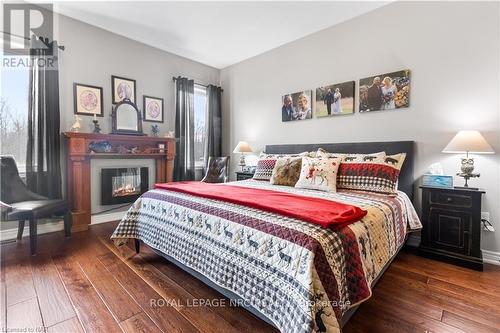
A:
[406,178]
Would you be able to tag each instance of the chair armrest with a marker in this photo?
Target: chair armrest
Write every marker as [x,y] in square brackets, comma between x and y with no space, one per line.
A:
[4,209]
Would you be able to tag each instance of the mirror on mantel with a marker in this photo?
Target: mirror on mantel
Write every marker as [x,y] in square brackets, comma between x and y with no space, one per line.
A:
[126,119]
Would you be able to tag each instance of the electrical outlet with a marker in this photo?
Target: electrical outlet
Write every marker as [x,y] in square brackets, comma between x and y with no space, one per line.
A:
[486,226]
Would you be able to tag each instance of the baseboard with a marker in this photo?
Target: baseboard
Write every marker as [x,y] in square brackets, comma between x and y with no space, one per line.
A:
[109,217]
[491,257]
[42,228]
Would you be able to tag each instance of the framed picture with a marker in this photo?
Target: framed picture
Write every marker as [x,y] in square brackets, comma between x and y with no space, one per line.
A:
[385,91]
[153,109]
[296,106]
[122,88]
[334,100]
[87,100]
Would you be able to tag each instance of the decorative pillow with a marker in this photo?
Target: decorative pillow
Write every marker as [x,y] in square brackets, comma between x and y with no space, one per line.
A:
[286,171]
[266,163]
[372,172]
[319,173]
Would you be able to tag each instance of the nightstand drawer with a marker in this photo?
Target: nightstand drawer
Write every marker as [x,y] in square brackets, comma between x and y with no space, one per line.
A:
[450,199]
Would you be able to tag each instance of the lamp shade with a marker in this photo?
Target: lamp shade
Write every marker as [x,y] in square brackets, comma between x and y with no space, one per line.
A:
[243,147]
[468,142]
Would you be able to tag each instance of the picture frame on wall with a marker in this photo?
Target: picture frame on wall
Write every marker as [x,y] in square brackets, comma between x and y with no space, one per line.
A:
[335,99]
[152,109]
[88,100]
[385,91]
[122,88]
[296,106]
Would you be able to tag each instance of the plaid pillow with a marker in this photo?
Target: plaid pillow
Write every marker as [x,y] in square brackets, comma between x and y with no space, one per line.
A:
[266,163]
[371,172]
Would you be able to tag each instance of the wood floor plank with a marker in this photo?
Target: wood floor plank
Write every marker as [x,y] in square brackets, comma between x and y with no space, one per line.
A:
[203,317]
[121,304]
[140,323]
[55,304]
[19,281]
[467,324]
[71,325]
[91,310]
[24,316]
[3,299]
[165,317]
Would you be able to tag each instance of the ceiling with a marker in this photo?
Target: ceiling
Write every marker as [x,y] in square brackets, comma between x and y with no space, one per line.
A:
[218,34]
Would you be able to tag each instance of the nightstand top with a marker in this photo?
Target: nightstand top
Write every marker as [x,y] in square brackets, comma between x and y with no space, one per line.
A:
[458,189]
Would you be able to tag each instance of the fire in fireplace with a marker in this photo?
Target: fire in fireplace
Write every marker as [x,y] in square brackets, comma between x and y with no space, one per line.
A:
[122,185]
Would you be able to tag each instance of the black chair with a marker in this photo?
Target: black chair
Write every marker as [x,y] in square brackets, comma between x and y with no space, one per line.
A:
[217,170]
[20,204]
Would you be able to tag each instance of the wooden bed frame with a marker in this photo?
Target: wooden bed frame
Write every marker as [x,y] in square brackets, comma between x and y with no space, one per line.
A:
[405,184]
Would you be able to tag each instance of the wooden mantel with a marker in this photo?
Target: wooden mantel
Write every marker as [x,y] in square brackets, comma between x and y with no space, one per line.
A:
[78,165]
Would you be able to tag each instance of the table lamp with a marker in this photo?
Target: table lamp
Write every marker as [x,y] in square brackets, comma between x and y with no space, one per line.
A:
[468,142]
[242,148]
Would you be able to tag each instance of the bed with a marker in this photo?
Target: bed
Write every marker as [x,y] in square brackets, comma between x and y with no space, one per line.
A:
[297,276]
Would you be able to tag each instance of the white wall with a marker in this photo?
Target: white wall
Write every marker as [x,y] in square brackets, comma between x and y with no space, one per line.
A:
[92,55]
[453,52]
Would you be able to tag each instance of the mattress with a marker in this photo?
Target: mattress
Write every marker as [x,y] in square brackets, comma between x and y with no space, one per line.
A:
[300,276]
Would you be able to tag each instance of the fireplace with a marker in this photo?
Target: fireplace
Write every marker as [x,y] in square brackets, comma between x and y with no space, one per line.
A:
[122,185]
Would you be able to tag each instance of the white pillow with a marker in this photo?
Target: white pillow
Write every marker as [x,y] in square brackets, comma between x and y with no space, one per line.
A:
[319,173]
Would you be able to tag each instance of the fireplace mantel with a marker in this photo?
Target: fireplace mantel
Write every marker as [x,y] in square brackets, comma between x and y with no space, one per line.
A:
[78,157]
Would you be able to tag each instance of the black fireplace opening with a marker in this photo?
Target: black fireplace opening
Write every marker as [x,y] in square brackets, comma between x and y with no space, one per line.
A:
[122,185]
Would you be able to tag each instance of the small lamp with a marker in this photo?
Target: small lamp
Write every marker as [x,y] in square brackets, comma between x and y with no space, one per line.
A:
[468,142]
[242,148]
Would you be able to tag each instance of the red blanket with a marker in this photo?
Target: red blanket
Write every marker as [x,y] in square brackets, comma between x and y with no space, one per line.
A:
[324,212]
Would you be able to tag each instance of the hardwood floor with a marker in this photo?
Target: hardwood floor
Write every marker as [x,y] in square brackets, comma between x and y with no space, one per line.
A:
[85,284]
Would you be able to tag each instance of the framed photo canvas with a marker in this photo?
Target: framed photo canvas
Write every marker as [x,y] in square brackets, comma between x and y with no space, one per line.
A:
[385,91]
[122,88]
[334,100]
[296,106]
[87,100]
[153,109]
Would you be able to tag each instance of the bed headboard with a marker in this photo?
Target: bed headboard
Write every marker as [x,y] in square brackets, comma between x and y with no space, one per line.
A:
[406,178]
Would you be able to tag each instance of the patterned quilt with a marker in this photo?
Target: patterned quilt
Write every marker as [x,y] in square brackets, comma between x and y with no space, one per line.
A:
[299,275]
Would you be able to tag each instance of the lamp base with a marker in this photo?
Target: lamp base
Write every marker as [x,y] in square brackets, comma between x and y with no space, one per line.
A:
[242,161]
[467,176]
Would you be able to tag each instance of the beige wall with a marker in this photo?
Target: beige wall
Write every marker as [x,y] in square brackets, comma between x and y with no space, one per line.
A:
[453,52]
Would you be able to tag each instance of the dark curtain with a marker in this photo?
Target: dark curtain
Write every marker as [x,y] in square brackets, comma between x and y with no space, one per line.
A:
[184,129]
[213,124]
[43,166]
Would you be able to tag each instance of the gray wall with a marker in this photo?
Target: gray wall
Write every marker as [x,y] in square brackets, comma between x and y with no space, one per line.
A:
[453,51]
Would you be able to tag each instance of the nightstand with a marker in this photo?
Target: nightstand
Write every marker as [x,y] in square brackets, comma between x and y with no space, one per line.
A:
[240,175]
[451,221]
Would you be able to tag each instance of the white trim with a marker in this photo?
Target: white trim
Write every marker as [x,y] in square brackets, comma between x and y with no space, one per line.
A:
[109,217]
[491,257]
[42,228]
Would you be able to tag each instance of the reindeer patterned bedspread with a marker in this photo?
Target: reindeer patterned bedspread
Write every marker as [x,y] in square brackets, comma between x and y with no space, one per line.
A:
[299,275]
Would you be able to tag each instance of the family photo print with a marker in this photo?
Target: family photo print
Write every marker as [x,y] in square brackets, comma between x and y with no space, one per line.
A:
[385,91]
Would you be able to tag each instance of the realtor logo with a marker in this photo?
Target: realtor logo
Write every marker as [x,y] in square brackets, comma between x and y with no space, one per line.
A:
[21,22]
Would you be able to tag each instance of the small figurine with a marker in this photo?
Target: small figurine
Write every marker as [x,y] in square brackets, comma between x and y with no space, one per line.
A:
[155,131]
[97,128]
[76,125]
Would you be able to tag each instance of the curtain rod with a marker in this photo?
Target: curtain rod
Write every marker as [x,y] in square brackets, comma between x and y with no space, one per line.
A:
[199,84]
[60,47]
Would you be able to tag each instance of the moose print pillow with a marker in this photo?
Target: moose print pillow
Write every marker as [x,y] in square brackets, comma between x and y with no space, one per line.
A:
[319,173]
[371,172]
[286,171]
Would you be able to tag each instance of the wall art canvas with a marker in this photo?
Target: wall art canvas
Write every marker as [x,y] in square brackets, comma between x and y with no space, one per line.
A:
[87,100]
[296,106]
[385,91]
[153,109]
[334,100]
[122,88]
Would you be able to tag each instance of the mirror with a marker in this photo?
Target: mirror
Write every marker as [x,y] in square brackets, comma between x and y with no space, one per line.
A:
[126,119]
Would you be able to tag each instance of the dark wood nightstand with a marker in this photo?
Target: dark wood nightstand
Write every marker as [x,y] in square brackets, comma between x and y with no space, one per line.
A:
[451,221]
[240,175]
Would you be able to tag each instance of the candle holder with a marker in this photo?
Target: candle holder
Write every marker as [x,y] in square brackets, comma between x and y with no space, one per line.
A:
[97,128]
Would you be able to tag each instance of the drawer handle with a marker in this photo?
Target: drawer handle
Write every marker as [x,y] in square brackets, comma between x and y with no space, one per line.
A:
[449,200]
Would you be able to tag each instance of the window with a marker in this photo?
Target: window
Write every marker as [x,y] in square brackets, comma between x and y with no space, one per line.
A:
[200,110]
[14,114]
